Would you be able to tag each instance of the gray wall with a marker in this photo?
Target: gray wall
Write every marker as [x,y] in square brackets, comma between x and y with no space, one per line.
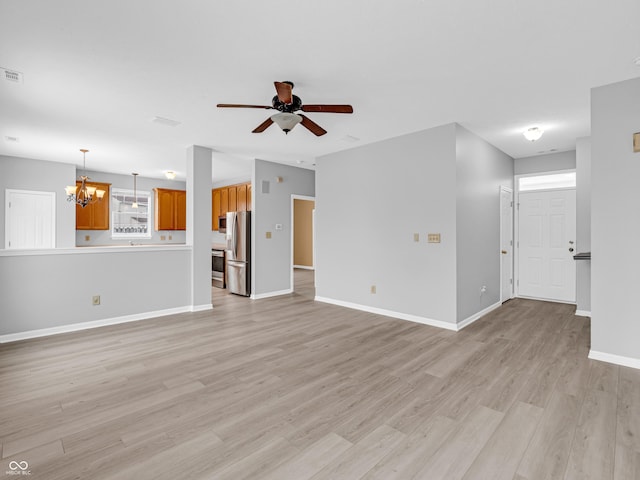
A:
[103,237]
[370,201]
[271,258]
[545,163]
[615,229]
[583,223]
[55,289]
[481,170]
[37,175]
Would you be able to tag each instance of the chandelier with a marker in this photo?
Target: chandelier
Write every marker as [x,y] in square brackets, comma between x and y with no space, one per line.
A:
[83,195]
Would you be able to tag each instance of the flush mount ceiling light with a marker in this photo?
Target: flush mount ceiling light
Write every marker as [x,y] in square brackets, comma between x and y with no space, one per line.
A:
[532,134]
[286,121]
[83,195]
[170,174]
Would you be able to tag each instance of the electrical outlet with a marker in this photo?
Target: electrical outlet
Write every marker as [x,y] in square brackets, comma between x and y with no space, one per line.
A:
[87,238]
[95,300]
[373,289]
[278,226]
[162,237]
[433,237]
[170,237]
[483,289]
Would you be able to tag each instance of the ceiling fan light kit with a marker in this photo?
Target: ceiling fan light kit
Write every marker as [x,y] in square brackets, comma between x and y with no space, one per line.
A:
[286,121]
[288,104]
[532,134]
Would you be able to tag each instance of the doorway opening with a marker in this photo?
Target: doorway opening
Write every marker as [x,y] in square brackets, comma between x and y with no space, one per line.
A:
[302,243]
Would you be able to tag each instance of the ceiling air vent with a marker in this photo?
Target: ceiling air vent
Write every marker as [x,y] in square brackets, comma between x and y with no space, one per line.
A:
[12,75]
[9,139]
[166,121]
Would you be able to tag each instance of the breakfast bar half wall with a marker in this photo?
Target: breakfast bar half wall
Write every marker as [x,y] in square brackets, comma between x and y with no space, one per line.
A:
[52,291]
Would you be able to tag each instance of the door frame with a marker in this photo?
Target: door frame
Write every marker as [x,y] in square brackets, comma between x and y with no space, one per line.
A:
[313,226]
[512,240]
[516,226]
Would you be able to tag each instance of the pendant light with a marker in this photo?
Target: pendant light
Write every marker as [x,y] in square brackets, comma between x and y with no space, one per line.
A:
[135,191]
[83,195]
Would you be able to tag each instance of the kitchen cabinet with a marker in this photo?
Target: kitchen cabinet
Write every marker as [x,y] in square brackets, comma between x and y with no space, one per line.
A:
[170,209]
[233,198]
[242,198]
[94,216]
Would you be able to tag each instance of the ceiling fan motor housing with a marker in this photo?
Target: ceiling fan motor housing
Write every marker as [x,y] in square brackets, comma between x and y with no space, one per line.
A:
[294,106]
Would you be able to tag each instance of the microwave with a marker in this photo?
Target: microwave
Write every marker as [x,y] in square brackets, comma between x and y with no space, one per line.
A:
[222,224]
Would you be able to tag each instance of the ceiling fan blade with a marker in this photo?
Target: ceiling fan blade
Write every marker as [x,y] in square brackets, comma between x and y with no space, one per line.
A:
[263,126]
[328,108]
[235,105]
[312,126]
[284,92]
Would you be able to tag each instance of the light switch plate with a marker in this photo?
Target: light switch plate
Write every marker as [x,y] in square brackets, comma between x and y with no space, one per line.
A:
[416,237]
[636,142]
[433,238]
[268,235]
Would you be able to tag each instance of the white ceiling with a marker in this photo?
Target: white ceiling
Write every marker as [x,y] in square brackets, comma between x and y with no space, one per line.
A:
[97,72]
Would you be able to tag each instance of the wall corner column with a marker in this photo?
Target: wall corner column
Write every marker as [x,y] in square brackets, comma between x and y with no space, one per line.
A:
[198,235]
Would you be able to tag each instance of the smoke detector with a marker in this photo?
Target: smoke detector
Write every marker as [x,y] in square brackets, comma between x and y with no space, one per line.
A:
[12,75]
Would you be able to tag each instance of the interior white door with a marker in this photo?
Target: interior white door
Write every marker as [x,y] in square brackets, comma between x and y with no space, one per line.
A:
[29,219]
[506,244]
[547,232]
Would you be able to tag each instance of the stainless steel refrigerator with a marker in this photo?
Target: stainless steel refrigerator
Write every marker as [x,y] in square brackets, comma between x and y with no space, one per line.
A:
[238,257]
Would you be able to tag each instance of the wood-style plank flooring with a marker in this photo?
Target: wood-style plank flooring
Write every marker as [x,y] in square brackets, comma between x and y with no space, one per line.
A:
[289,389]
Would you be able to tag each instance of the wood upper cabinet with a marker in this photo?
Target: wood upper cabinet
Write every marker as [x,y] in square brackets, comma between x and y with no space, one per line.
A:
[170,209]
[224,201]
[94,216]
[215,208]
[181,210]
[242,198]
[234,198]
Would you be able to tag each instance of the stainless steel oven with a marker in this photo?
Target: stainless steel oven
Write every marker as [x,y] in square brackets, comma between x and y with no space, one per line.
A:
[217,268]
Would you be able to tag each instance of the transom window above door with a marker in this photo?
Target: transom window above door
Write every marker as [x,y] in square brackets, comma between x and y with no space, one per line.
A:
[547,182]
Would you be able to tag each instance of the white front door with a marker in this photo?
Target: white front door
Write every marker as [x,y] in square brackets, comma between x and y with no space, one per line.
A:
[30,219]
[506,244]
[547,233]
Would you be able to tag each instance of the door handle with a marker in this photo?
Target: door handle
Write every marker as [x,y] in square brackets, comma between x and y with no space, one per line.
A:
[504,252]
[571,249]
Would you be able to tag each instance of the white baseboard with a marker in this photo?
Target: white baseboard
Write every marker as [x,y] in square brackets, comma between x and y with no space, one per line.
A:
[74,327]
[390,313]
[277,293]
[201,308]
[583,313]
[469,320]
[303,267]
[615,359]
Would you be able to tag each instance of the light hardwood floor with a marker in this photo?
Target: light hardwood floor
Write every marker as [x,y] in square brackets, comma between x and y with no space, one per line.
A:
[289,389]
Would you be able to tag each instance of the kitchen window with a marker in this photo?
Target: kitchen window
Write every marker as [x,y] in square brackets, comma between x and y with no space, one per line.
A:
[127,221]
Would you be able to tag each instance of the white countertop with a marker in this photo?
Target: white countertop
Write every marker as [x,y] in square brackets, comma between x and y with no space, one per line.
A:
[97,249]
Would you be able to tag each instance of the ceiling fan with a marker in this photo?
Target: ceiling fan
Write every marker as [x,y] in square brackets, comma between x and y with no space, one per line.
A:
[287,104]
